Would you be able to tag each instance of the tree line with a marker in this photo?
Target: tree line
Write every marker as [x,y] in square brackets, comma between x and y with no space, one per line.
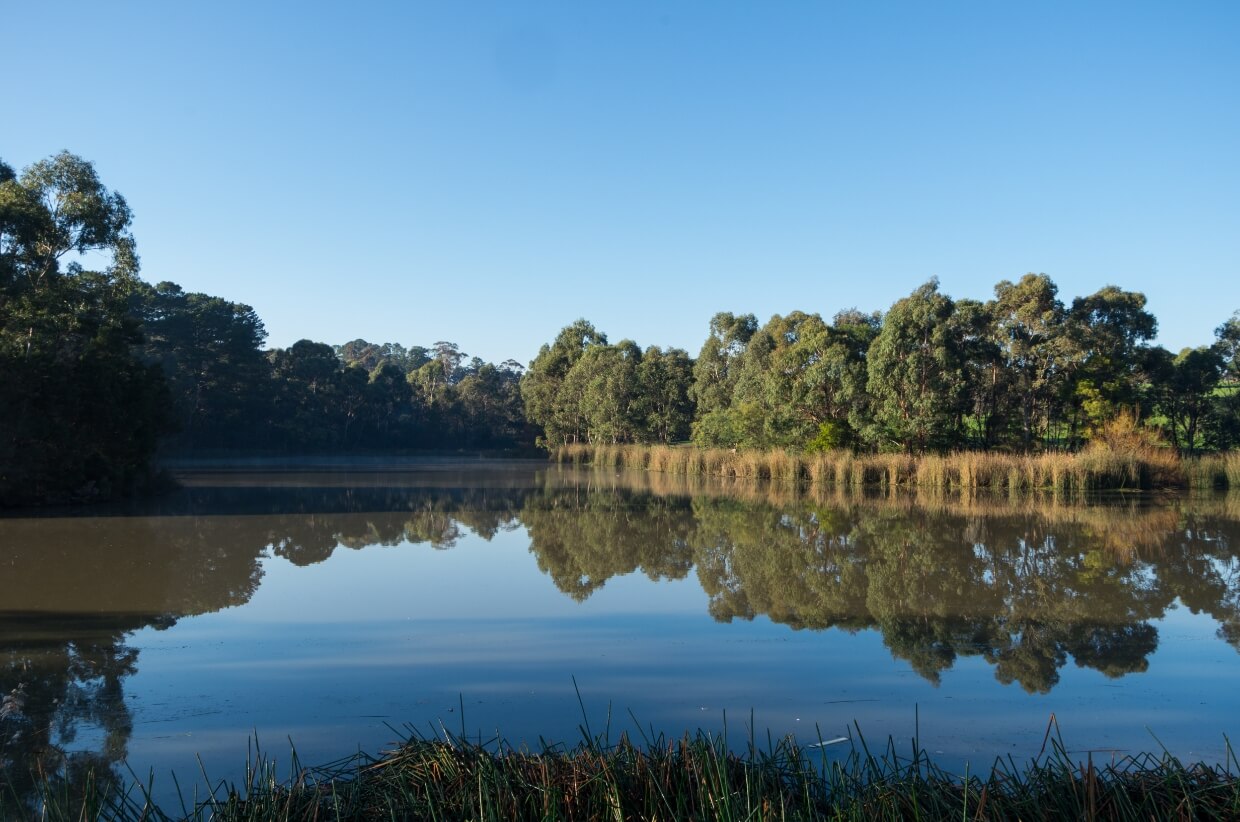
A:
[1021,372]
[99,370]
[228,392]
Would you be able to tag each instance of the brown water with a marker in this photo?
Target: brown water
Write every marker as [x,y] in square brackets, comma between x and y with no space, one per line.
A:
[338,608]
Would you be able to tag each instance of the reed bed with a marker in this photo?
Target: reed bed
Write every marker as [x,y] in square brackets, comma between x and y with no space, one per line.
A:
[1101,466]
[698,776]
[1214,471]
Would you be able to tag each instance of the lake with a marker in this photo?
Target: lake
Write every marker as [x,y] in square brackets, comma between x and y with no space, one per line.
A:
[331,609]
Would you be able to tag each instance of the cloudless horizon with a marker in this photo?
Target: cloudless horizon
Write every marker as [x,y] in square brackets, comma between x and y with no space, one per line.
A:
[488,173]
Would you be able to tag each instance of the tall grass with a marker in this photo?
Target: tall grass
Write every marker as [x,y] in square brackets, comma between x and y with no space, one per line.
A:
[1114,462]
[697,776]
[1214,471]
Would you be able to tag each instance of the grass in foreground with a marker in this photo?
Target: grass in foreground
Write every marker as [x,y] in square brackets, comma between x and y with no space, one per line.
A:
[695,777]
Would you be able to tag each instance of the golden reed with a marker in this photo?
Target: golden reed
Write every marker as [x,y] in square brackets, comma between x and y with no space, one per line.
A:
[1102,465]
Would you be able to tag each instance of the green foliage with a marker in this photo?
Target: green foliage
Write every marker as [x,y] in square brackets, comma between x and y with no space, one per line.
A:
[82,416]
[580,389]
[1228,346]
[742,426]
[371,355]
[664,404]
[916,373]
[1184,390]
[443,401]
[210,351]
[1105,334]
[780,380]
[790,376]
[604,381]
[555,411]
[979,417]
[1020,373]
[832,435]
[714,371]
[1027,320]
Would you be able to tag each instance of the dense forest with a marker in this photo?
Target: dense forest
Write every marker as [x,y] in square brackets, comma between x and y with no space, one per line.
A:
[100,371]
[1022,372]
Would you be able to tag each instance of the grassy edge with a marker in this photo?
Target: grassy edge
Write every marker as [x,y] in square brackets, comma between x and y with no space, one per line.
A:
[696,776]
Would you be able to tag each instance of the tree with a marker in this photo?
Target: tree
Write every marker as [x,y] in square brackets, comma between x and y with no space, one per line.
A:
[448,356]
[979,417]
[210,351]
[796,382]
[664,407]
[358,352]
[767,377]
[1224,422]
[610,400]
[1227,342]
[916,373]
[316,400]
[1107,332]
[547,406]
[58,206]
[825,371]
[1184,387]
[388,404]
[714,374]
[1028,322]
[490,399]
[82,415]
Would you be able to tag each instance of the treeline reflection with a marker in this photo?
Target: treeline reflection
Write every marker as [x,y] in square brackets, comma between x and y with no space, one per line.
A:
[1024,584]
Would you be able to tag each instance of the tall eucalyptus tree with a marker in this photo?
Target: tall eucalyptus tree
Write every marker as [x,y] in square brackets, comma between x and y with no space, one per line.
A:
[82,415]
[916,371]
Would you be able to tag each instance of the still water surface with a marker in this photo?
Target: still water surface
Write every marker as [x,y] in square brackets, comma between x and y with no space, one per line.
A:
[338,609]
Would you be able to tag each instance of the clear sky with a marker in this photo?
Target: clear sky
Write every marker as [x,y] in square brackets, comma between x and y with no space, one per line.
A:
[486,173]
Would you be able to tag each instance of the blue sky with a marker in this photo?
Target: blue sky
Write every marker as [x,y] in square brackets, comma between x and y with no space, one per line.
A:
[488,172]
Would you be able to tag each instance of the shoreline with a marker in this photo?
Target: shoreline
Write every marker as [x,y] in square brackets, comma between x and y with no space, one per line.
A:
[695,776]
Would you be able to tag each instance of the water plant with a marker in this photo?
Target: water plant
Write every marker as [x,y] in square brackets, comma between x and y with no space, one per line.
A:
[696,776]
[1120,457]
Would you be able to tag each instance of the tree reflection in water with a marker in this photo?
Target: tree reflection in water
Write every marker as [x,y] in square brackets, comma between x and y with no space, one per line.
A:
[61,678]
[1024,585]
[73,590]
